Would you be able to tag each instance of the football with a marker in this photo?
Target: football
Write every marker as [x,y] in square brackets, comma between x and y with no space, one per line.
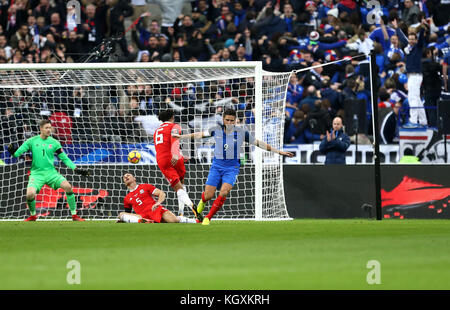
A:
[134,157]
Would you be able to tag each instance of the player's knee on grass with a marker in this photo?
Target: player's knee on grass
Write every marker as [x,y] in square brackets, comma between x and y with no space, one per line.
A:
[129,217]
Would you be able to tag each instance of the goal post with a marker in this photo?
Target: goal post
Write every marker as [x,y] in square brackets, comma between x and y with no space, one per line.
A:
[101,111]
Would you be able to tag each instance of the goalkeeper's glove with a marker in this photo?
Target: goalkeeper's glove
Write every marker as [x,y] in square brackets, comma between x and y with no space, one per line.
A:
[83,172]
[12,148]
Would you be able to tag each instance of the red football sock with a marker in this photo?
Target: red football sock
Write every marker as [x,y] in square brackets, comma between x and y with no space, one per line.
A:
[203,197]
[218,203]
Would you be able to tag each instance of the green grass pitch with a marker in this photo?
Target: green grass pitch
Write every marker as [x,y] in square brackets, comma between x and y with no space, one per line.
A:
[298,254]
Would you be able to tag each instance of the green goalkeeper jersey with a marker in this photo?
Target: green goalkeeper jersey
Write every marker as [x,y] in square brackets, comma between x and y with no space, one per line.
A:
[44,153]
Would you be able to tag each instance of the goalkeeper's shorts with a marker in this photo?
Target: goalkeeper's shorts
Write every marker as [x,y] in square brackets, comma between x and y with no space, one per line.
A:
[52,178]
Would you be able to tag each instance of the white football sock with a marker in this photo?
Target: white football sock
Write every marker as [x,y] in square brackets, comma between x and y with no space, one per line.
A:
[180,206]
[129,218]
[183,196]
[186,220]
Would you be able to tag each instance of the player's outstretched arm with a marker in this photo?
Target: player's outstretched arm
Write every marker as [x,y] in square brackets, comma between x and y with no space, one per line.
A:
[269,148]
[194,135]
[69,163]
[161,197]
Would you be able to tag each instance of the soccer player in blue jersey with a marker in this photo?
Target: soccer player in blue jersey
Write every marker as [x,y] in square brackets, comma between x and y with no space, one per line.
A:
[225,165]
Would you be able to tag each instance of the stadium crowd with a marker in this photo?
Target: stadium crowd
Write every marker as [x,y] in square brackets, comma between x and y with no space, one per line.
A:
[285,35]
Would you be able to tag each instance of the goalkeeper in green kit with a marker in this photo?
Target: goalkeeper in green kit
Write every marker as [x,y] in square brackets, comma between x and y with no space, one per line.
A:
[43,148]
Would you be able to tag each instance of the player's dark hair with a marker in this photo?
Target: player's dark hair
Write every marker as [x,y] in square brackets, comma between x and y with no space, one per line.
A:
[230,112]
[44,122]
[166,115]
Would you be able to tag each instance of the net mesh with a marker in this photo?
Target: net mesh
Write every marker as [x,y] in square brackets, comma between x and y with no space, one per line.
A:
[100,115]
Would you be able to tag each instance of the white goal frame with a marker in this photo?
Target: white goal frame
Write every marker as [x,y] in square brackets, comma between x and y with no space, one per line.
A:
[258,78]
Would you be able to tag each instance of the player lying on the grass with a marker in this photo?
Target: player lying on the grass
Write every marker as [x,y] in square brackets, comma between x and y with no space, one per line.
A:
[169,158]
[141,198]
[43,172]
[225,165]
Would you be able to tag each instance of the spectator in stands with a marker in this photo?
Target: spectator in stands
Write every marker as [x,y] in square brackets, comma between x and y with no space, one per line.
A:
[144,34]
[324,7]
[331,93]
[118,10]
[91,28]
[16,16]
[60,55]
[316,123]
[390,125]
[74,46]
[414,45]
[270,24]
[152,47]
[62,124]
[56,28]
[383,98]
[21,34]
[43,9]
[78,110]
[293,125]
[289,17]
[410,13]
[5,46]
[348,6]
[140,8]
[335,144]
[432,85]
[294,94]
[11,126]
[196,47]
[312,95]
[313,77]
[349,92]
[383,34]
[45,55]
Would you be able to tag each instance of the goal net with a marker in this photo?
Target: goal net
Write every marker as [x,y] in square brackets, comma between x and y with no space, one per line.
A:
[102,111]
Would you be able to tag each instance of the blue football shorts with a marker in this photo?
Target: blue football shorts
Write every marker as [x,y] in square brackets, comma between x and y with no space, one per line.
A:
[219,175]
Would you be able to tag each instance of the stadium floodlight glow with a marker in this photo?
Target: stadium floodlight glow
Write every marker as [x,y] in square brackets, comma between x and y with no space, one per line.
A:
[99,96]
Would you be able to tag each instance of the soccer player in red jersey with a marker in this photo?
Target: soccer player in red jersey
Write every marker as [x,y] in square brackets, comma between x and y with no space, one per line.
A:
[146,201]
[169,158]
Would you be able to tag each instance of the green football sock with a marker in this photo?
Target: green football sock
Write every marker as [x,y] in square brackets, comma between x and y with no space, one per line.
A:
[72,203]
[32,206]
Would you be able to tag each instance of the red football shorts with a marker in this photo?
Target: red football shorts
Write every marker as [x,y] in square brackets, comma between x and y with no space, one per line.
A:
[172,174]
[154,215]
